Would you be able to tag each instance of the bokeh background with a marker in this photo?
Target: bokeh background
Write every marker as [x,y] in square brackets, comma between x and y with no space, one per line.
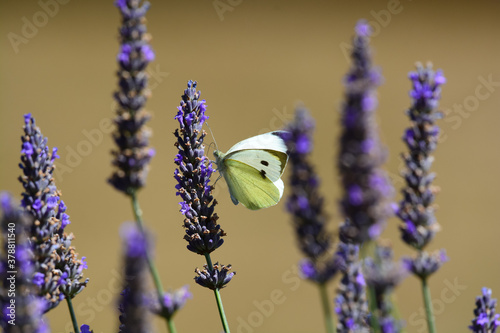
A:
[253,63]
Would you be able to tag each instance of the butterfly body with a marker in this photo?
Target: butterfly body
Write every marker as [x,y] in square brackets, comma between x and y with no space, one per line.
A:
[252,169]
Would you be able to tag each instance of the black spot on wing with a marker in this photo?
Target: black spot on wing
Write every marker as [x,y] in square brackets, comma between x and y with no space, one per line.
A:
[263,174]
[266,163]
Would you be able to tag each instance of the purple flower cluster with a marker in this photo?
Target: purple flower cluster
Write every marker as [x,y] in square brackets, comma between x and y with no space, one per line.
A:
[416,209]
[58,270]
[382,274]
[193,172]
[132,156]
[216,278]
[17,256]
[365,203]
[351,305]
[486,320]
[305,202]
[172,301]
[132,307]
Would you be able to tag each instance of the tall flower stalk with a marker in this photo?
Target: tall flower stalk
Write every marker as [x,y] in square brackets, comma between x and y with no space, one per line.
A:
[416,210]
[306,206]
[58,270]
[193,172]
[133,154]
[366,191]
[133,308]
[22,307]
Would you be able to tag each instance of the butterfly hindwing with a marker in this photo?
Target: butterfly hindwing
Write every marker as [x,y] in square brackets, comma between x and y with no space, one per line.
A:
[269,163]
[248,186]
[266,141]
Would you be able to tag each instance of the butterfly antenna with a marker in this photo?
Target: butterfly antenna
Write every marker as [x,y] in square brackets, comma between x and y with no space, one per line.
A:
[213,137]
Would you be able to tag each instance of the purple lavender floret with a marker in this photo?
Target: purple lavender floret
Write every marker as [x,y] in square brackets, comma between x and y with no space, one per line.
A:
[365,202]
[351,305]
[133,154]
[85,329]
[172,302]
[216,278]
[133,308]
[17,255]
[305,202]
[383,275]
[416,209]
[486,320]
[193,173]
[58,270]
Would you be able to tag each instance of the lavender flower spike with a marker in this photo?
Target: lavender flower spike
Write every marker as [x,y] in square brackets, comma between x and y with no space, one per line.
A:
[365,203]
[382,274]
[132,305]
[416,209]
[351,305]
[305,202]
[203,234]
[486,320]
[22,311]
[132,156]
[58,270]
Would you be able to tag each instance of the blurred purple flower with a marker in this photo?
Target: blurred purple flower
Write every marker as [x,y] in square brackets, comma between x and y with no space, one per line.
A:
[305,203]
[132,154]
[19,299]
[366,203]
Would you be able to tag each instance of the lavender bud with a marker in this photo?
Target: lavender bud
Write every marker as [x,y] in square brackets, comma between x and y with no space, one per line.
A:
[216,278]
[172,302]
[132,156]
[425,264]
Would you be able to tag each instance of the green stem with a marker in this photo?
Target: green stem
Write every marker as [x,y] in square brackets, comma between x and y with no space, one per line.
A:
[327,311]
[222,314]
[372,302]
[428,306]
[72,313]
[171,326]
[152,267]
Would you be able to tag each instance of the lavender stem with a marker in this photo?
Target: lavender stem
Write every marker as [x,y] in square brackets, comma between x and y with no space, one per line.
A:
[327,311]
[152,267]
[222,314]
[428,306]
[72,314]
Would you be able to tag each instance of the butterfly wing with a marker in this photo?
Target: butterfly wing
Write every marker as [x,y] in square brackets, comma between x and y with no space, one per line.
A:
[269,163]
[266,141]
[266,152]
[248,186]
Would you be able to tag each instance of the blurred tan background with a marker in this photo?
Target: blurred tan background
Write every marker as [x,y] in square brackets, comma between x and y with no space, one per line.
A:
[253,62]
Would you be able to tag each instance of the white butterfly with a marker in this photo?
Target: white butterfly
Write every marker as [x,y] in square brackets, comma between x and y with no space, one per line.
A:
[252,169]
